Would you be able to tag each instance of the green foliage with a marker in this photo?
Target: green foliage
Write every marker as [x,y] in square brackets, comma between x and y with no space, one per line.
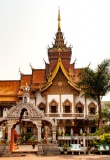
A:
[93,143]
[65,145]
[96,83]
[97,133]
[28,135]
[107,129]
[105,139]
[33,138]
[67,134]
[58,133]
[106,112]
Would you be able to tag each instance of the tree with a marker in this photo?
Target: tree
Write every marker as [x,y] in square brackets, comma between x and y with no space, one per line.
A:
[106,112]
[96,84]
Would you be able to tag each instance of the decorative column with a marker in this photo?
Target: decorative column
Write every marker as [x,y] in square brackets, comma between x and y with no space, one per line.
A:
[54,134]
[39,130]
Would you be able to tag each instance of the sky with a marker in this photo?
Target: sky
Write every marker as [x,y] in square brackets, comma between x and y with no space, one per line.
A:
[27,27]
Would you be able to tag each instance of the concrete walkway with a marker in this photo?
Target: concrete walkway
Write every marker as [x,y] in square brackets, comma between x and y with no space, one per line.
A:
[26,148]
[31,154]
[60,157]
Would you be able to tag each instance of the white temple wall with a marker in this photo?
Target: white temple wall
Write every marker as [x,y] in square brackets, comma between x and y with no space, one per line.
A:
[79,99]
[5,110]
[32,101]
[40,99]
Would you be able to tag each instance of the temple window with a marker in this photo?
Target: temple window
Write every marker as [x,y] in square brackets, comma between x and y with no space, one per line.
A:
[92,108]
[53,106]
[67,106]
[79,107]
[80,110]
[53,109]
[42,107]
[67,109]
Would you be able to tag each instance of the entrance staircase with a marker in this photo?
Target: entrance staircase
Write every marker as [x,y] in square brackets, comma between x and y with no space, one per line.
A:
[25,150]
[23,154]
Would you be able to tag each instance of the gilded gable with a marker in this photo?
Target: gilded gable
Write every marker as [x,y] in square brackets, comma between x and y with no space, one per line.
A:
[60,85]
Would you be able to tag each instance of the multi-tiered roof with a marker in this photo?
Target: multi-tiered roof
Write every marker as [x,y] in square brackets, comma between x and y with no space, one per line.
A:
[59,56]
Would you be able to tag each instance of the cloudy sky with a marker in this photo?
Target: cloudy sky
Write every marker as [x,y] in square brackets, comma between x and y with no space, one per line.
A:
[27,27]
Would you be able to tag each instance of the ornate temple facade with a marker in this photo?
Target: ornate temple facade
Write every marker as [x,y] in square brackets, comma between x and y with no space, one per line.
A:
[48,98]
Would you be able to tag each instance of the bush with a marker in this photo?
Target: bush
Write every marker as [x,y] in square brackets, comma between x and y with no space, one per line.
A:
[58,133]
[107,129]
[105,138]
[28,135]
[97,133]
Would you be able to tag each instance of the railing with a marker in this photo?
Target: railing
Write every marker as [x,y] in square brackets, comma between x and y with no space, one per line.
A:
[90,115]
[52,114]
[70,115]
[83,140]
[77,137]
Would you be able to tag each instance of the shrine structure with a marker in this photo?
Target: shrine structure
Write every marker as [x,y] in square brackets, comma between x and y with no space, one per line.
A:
[48,102]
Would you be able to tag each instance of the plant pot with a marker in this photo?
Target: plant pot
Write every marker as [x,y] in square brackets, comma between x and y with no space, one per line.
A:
[65,152]
[33,146]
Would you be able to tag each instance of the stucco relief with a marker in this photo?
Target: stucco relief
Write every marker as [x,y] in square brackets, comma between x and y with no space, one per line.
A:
[67,103]
[50,120]
[33,111]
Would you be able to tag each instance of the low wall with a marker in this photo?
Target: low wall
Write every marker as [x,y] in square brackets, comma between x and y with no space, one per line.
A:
[4,150]
[48,149]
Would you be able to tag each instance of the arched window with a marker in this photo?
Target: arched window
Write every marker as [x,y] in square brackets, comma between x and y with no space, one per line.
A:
[67,106]
[79,107]
[42,106]
[53,106]
[92,108]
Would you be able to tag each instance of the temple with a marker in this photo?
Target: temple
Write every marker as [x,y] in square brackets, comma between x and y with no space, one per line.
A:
[48,102]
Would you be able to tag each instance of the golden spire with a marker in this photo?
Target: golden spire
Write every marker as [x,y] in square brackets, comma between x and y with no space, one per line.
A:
[59,18]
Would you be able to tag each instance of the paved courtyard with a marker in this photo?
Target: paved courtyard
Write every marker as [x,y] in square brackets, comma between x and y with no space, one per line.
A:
[26,152]
[60,157]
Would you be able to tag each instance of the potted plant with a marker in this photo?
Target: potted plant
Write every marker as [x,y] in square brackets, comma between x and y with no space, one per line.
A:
[33,145]
[65,148]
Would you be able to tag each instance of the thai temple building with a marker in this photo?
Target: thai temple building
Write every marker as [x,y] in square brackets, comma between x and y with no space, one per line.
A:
[47,103]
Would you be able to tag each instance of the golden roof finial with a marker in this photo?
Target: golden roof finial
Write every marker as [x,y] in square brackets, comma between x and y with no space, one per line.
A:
[89,64]
[20,72]
[74,61]
[59,18]
[31,66]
